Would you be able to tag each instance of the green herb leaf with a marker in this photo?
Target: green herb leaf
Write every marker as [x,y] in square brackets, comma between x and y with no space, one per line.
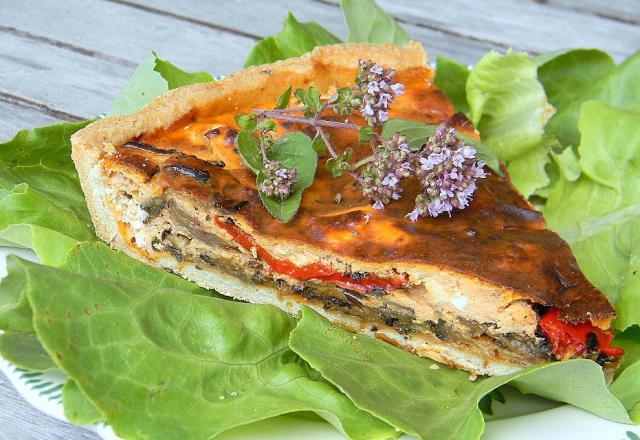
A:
[246,122]
[443,394]
[338,165]
[294,150]
[177,350]
[267,125]
[283,100]
[318,144]
[78,408]
[342,94]
[310,98]
[152,78]
[598,214]
[249,149]
[295,39]
[365,134]
[369,23]
[417,134]
[451,78]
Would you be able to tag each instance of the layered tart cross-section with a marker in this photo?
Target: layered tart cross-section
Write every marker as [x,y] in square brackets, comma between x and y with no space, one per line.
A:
[488,289]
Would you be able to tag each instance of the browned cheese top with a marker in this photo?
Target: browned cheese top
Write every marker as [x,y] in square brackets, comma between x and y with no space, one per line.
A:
[499,238]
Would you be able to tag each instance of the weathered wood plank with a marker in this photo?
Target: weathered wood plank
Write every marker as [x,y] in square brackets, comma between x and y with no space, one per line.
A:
[57,77]
[17,117]
[523,24]
[623,10]
[126,33]
[19,420]
[266,19]
[465,30]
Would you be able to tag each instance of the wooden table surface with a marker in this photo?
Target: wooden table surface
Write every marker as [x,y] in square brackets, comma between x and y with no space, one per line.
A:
[67,60]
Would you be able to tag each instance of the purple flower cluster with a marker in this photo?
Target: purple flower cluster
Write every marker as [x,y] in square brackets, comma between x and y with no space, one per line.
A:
[447,170]
[374,91]
[278,180]
[391,163]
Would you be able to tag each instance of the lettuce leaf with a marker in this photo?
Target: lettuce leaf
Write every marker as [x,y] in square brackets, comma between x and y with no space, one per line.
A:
[40,192]
[39,186]
[152,78]
[510,109]
[626,386]
[528,171]
[451,77]
[171,364]
[19,344]
[15,312]
[23,349]
[421,397]
[369,23]
[99,260]
[77,408]
[508,104]
[599,213]
[295,39]
[565,76]
[582,75]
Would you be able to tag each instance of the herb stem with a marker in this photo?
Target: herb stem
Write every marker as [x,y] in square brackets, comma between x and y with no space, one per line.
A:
[332,152]
[362,162]
[263,150]
[323,136]
[288,110]
[275,114]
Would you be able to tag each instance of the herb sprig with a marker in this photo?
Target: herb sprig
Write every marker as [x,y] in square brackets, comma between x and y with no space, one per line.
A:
[445,165]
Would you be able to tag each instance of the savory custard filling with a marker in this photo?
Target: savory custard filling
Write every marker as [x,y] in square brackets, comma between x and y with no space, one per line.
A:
[168,225]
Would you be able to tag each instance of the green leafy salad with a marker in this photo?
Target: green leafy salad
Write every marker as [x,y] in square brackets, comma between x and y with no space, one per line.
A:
[156,356]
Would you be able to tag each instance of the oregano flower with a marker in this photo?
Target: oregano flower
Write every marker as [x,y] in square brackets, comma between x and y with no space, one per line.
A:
[278,180]
[445,166]
[390,165]
[447,170]
[374,91]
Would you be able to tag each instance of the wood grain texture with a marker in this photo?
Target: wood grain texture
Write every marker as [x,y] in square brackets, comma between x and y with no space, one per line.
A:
[464,29]
[21,421]
[623,10]
[59,78]
[526,25]
[68,60]
[126,33]
[267,18]
[17,117]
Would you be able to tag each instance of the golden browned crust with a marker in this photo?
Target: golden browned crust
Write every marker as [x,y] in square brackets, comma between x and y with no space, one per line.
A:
[333,63]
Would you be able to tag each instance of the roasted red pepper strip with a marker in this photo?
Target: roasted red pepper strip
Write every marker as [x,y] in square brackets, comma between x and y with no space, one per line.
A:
[565,336]
[316,270]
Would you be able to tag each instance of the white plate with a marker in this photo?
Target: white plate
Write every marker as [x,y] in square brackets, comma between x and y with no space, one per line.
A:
[522,417]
